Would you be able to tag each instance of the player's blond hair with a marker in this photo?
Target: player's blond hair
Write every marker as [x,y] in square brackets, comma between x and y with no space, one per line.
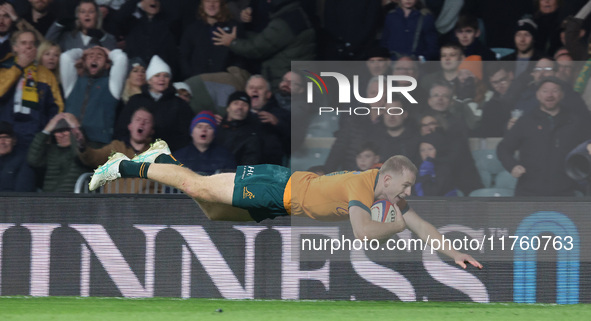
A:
[398,164]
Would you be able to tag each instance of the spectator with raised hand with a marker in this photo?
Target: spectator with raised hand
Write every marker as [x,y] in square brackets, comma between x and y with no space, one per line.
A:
[172,115]
[55,151]
[9,23]
[29,93]
[199,55]
[147,32]
[83,33]
[203,155]
[92,96]
[288,36]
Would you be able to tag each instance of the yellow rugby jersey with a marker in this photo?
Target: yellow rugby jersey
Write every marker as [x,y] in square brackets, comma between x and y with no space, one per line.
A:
[328,197]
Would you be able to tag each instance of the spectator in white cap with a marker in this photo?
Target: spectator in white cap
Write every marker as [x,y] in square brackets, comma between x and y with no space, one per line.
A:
[172,115]
[183,91]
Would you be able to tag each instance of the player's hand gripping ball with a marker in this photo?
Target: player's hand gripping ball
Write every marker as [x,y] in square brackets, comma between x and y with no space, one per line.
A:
[383,211]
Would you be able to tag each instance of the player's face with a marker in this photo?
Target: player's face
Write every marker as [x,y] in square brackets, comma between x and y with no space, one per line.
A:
[549,95]
[141,126]
[398,185]
[202,134]
[467,35]
[159,82]
[378,66]
[427,151]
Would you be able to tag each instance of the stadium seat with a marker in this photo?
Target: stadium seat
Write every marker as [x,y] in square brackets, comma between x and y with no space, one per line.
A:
[502,52]
[306,158]
[323,126]
[488,165]
[504,179]
[492,192]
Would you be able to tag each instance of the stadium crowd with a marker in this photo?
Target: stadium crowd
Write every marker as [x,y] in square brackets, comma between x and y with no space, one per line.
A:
[79,78]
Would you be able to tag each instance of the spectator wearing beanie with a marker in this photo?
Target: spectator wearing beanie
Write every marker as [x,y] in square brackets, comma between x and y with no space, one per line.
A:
[239,131]
[525,34]
[204,155]
[172,115]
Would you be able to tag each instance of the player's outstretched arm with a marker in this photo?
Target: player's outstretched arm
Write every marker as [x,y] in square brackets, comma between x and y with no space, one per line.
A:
[364,227]
[425,229]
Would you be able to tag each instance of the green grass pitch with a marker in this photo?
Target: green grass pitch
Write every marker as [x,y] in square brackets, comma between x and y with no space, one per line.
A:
[168,309]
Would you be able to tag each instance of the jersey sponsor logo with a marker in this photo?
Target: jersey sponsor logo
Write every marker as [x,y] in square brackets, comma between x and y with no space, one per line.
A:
[246,193]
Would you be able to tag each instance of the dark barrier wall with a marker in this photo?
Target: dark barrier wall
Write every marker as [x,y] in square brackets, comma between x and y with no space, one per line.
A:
[145,246]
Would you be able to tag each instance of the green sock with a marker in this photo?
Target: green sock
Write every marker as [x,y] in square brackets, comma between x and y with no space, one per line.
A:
[167,159]
[132,169]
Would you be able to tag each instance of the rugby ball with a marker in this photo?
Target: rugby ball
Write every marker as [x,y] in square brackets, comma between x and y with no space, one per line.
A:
[383,211]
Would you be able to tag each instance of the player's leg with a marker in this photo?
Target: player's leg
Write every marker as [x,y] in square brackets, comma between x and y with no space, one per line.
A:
[212,193]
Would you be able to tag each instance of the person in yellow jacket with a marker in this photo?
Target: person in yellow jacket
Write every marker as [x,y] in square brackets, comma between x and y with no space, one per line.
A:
[29,93]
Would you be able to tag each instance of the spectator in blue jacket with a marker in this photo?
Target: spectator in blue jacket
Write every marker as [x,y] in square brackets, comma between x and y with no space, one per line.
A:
[410,31]
[203,155]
